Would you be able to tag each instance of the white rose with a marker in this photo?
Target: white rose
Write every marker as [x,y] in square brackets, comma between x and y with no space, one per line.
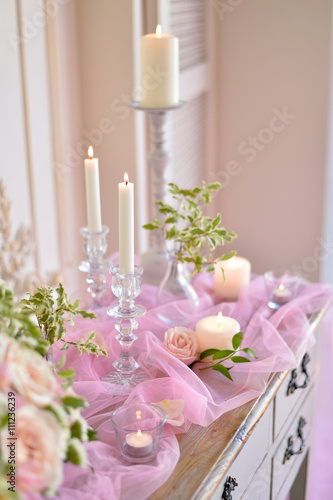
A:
[27,372]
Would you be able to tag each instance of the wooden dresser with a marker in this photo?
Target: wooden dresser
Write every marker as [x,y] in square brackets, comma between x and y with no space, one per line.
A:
[261,446]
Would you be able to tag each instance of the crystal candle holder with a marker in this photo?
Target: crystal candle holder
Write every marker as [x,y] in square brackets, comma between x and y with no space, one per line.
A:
[281,287]
[138,428]
[126,287]
[95,246]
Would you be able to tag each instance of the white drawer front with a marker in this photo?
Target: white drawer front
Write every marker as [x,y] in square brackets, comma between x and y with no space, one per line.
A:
[260,486]
[288,396]
[250,457]
[284,469]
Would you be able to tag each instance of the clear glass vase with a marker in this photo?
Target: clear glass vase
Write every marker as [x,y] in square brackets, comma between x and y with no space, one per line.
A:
[177,300]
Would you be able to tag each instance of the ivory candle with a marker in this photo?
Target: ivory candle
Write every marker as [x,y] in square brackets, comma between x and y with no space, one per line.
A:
[126,226]
[216,332]
[159,61]
[237,271]
[139,444]
[93,199]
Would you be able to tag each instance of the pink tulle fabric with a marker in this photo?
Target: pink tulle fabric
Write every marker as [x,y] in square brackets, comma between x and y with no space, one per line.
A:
[275,337]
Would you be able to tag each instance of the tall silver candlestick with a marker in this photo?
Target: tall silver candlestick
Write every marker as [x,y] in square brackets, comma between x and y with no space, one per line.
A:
[155,261]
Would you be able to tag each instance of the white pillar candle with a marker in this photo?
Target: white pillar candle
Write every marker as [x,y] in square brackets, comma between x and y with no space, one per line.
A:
[159,61]
[237,271]
[93,198]
[216,332]
[126,226]
[139,444]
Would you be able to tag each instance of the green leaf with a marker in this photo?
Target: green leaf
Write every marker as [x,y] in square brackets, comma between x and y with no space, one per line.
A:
[222,354]
[237,340]
[214,186]
[216,221]
[150,227]
[172,220]
[208,352]
[92,434]
[222,369]
[74,401]
[67,374]
[240,359]
[196,231]
[250,352]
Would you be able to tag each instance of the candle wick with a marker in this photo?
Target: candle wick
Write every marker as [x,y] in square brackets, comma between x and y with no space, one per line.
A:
[126,182]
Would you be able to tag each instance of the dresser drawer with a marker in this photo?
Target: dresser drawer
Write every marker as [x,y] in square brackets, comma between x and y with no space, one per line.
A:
[260,486]
[292,448]
[296,384]
[246,464]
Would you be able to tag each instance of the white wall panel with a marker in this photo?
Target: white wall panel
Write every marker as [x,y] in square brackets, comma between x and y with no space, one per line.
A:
[13,164]
[43,174]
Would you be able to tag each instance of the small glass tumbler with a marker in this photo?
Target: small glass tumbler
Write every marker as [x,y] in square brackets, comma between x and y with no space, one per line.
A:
[281,287]
[138,428]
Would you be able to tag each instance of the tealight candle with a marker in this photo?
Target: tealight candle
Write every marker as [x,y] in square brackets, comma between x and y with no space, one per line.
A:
[139,444]
[216,332]
[281,295]
[237,271]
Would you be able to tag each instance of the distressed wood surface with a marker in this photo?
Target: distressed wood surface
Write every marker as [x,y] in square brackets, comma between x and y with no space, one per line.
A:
[206,453]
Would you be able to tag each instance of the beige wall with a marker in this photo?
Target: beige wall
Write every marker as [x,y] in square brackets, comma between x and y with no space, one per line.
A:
[106,76]
[273,56]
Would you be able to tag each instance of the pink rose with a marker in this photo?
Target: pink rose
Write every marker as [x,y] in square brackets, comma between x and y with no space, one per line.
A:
[39,449]
[182,343]
[27,372]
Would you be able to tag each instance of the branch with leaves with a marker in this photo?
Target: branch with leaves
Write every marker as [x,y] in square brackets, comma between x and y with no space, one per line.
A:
[220,356]
[190,230]
[53,314]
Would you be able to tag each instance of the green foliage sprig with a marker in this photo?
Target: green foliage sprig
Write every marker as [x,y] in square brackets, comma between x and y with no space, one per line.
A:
[53,314]
[221,356]
[19,323]
[186,225]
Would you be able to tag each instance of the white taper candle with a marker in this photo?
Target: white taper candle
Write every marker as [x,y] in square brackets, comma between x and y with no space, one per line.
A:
[93,198]
[126,226]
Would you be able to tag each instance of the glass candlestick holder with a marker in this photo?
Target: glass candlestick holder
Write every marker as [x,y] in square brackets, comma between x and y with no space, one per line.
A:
[126,287]
[95,246]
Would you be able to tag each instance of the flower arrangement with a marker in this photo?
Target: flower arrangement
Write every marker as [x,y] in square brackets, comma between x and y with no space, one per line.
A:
[186,225]
[40,422]
[181,342]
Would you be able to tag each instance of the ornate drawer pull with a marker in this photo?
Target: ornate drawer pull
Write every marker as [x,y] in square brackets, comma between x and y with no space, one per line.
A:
[289,450]
[292,386]
[229,486]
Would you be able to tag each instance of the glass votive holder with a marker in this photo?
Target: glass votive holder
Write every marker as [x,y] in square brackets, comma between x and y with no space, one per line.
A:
[281,287]
[138,428]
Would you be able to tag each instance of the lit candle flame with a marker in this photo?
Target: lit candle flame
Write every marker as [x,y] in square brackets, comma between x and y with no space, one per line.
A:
[281,286]
[126,178]
[139,433]
[219,319]
[158,30]
[90,152]
[138,414]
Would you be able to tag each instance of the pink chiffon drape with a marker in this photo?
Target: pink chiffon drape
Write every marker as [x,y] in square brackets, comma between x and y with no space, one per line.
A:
[279,339]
